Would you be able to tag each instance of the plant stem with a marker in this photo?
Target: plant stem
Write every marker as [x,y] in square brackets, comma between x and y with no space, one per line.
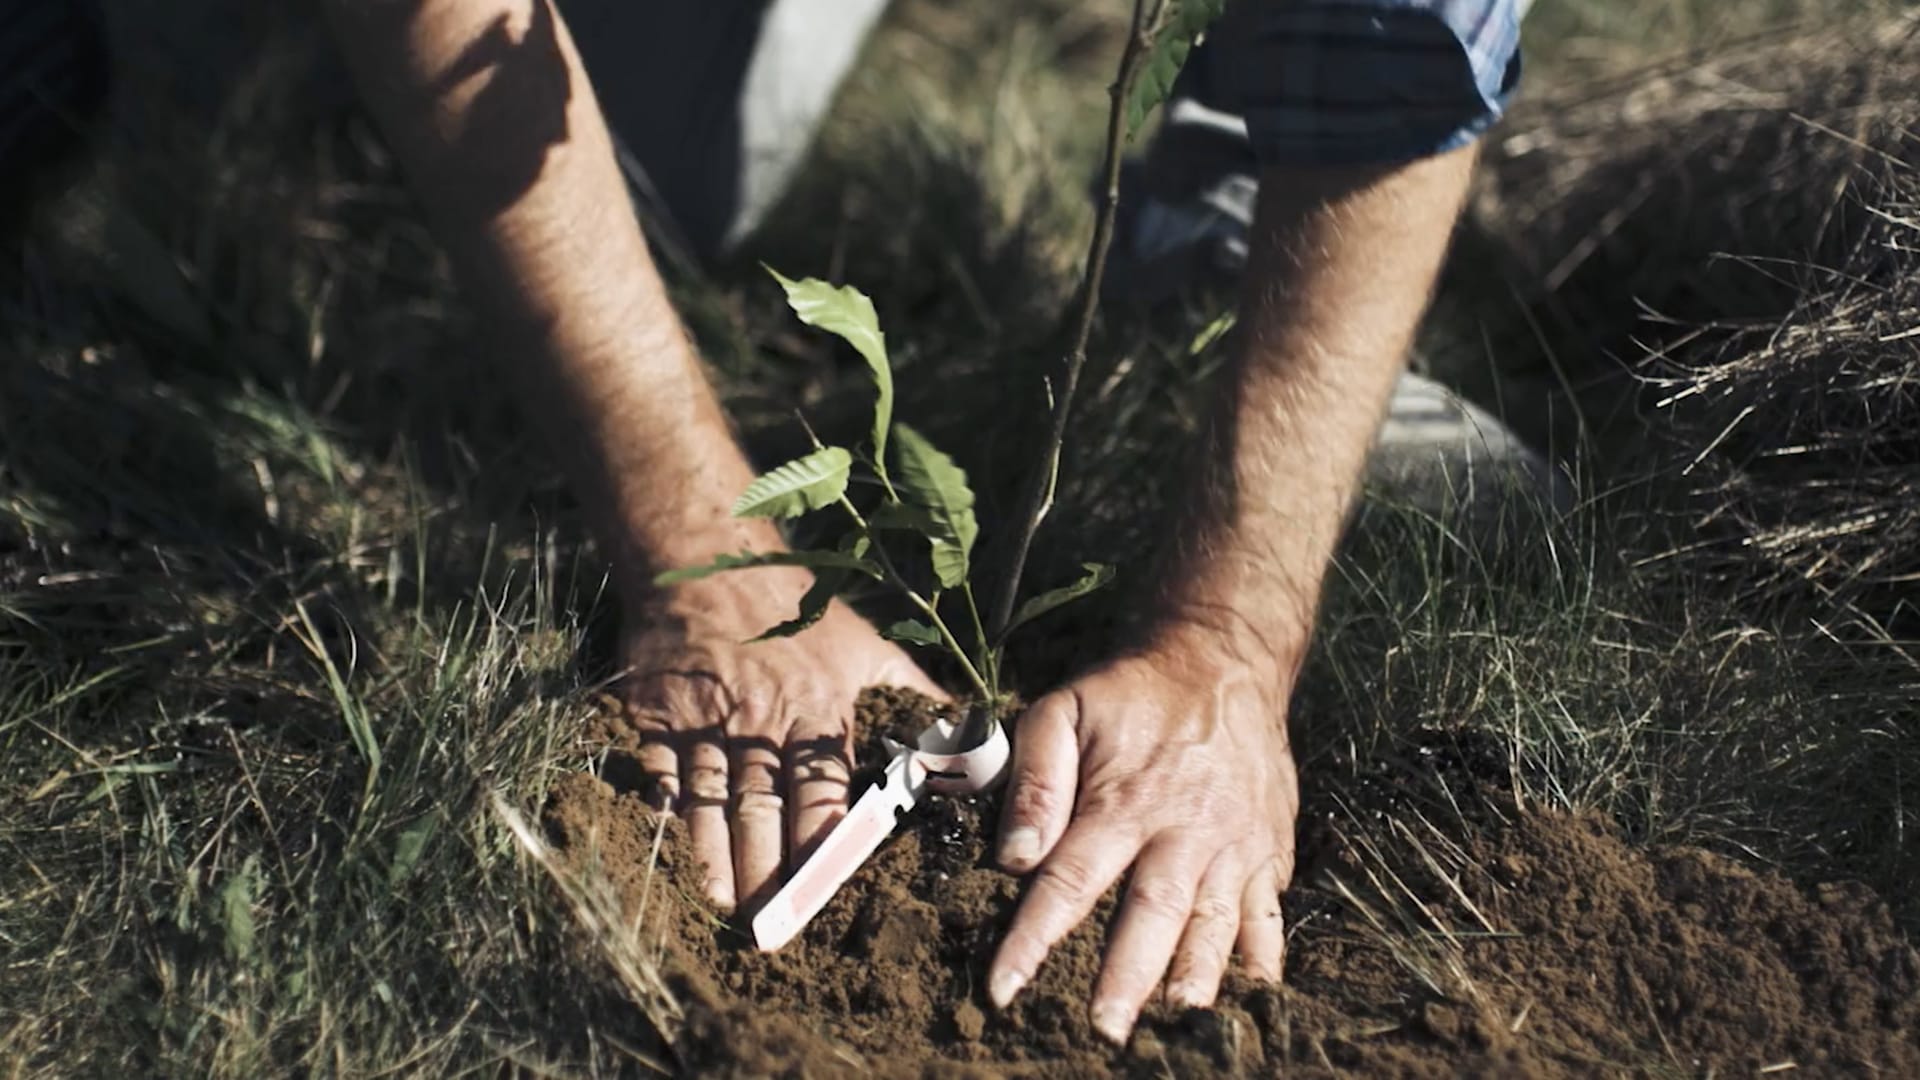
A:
[899,581]
[989,650]
[1039,489]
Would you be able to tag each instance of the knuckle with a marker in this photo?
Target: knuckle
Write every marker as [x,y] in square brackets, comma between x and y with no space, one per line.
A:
[756,701]
[1060,706]
[1065,877]
[706,781]
[1161,897]
[819,769]
[1032,799]
[757,803]
[752,771]
[1120,800]
[685,703]
[648,720]
[1212,913]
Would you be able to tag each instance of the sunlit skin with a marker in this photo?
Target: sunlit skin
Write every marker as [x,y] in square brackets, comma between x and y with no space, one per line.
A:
[1157,761]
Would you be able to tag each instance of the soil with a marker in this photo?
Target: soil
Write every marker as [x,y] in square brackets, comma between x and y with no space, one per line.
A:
[1541,944]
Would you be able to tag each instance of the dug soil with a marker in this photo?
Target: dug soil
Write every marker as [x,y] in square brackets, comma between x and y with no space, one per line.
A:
[1516,943]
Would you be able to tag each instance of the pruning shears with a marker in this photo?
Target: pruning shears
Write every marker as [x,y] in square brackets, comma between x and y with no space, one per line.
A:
[935,763]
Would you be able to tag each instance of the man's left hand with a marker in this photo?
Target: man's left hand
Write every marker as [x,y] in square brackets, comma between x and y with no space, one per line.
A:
[1172,760]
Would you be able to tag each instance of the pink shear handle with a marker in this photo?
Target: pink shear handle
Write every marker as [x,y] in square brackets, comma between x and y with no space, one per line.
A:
[934,766]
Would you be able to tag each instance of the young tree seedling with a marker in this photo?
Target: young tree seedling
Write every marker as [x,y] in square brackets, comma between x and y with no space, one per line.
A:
[922,494]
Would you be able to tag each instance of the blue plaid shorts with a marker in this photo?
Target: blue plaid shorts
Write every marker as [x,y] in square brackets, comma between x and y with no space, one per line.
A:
[1334,82]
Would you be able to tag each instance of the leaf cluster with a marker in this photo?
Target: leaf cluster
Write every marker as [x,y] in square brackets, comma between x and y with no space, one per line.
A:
[924,495]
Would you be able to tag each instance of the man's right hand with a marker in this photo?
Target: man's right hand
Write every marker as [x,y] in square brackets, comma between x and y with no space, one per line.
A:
[750,740]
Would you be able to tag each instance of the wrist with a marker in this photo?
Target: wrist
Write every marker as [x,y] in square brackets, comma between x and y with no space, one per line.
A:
[1239,607]
[1219,638]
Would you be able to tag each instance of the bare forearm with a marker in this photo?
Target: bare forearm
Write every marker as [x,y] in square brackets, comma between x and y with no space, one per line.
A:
[489,108]
[1343,263]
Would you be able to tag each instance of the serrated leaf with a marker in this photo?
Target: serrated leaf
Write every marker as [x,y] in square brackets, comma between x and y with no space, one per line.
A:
[913,632]
[1097,575]
[800,485]
[746,560]
[931,480]
[848,313]
[952,559]
[1166,56]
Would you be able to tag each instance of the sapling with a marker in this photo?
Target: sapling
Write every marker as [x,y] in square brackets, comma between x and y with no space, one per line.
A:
[922,492]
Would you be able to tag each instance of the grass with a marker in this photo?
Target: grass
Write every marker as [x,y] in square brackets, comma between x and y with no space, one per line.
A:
[291,605]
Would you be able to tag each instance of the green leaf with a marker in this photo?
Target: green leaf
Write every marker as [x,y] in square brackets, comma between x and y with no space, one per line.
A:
[1097,574]
[847,312]
[1166,56]
[812,560]
[913,632]
[934,483]
[803,484]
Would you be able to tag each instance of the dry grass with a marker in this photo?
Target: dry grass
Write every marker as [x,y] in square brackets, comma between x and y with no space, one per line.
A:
[1701,271]
[289,603]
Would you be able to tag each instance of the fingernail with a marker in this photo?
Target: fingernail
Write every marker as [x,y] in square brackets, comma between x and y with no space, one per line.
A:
[1020,848]
[1186,995]
[1004,986]
[1113,1021]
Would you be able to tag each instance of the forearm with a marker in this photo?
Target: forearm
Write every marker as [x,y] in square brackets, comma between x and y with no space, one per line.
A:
[489,109]
[1342,265]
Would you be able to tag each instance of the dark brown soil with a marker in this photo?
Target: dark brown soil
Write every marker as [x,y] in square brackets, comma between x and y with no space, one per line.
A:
[1539,945]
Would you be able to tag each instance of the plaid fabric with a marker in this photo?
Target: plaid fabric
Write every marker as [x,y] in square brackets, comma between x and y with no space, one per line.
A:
[1332,82]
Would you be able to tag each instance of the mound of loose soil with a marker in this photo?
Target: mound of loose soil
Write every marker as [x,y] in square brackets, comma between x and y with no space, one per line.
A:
[1539,944]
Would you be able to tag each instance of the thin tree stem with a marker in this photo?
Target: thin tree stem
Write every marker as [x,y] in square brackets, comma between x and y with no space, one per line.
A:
[1040,483]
